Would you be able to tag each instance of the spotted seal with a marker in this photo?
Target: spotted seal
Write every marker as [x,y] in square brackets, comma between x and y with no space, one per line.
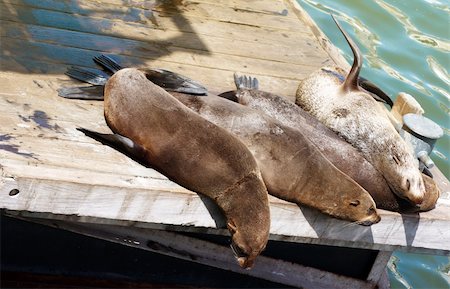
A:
[352,113]
[343,155]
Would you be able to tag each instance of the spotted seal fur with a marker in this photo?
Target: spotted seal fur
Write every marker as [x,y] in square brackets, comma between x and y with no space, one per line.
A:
[352,113]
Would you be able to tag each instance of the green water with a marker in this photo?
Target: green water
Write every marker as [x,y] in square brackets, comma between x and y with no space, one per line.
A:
[406,48]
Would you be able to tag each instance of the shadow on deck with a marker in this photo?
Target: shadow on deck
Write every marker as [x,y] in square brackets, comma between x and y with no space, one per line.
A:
[47,36]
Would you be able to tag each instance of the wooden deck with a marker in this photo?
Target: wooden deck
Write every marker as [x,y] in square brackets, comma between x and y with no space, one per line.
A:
[52,173]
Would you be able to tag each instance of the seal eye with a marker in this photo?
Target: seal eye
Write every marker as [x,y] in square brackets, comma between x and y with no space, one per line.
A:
[355,203]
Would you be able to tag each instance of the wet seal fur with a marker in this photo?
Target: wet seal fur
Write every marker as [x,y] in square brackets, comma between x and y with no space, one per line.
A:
[343,155]
[194,153]
[354,115]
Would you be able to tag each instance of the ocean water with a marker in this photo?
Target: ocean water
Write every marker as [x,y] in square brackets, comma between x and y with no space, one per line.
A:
[406,48]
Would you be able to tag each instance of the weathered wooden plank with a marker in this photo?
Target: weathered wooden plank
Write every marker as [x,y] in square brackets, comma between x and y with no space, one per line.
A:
[203,252]
[144,32]
[191,9]
[58,54]
[165,206]
[162,44]
[216,80]
[274,7]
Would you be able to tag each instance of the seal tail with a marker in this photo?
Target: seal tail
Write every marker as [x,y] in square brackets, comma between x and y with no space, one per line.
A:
[351,81]
[246,82]
[87,93]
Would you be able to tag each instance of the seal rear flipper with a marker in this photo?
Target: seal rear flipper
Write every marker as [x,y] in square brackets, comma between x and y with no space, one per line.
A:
[351,81]
[87,92]
[375,91]
[230,95]
[88,75]
[168,80]
[118,142]
[246,82]
[108,63]
[172,81]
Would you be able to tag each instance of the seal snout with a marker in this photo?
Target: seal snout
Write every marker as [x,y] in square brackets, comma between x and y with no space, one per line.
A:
[372,218]
[244,259]
[414,189]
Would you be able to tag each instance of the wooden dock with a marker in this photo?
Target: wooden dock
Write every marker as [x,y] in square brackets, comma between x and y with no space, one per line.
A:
[52,174]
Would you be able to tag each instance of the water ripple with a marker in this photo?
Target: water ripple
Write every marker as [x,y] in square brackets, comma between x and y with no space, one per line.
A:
[412,31]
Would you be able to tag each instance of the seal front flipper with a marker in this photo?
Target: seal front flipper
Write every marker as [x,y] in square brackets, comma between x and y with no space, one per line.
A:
[118,142]
[172,81]
[87,92]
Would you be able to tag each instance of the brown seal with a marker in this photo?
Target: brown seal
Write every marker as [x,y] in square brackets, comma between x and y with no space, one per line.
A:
[194,153]
[354,115]
[293,168]
[308,178]
[343,155]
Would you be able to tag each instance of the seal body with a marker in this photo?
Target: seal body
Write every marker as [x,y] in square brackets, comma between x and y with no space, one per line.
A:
[343,155]
[292,167]
[193,152]
[353,114]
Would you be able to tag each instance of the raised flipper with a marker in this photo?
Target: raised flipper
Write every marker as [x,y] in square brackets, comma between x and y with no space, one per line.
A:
[118,142]
[241,82]
[172,81]
[87,92]
[108,63]
[351,81]
[375,91]
[88,75]
[246,82]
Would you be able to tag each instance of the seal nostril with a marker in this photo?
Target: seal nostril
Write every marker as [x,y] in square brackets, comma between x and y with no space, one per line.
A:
[14,192]
[408,184]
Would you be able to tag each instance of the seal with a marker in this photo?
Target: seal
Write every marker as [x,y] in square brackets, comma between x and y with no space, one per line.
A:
[308,177]
[343,155]
[354,115]
[191,151]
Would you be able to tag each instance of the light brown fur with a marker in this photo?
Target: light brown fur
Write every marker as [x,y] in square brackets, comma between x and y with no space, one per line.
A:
[354,115]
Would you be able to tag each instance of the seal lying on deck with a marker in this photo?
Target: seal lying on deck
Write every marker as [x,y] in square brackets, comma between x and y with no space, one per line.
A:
[191,151]
[355,116]
[343,155]
[292,167]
